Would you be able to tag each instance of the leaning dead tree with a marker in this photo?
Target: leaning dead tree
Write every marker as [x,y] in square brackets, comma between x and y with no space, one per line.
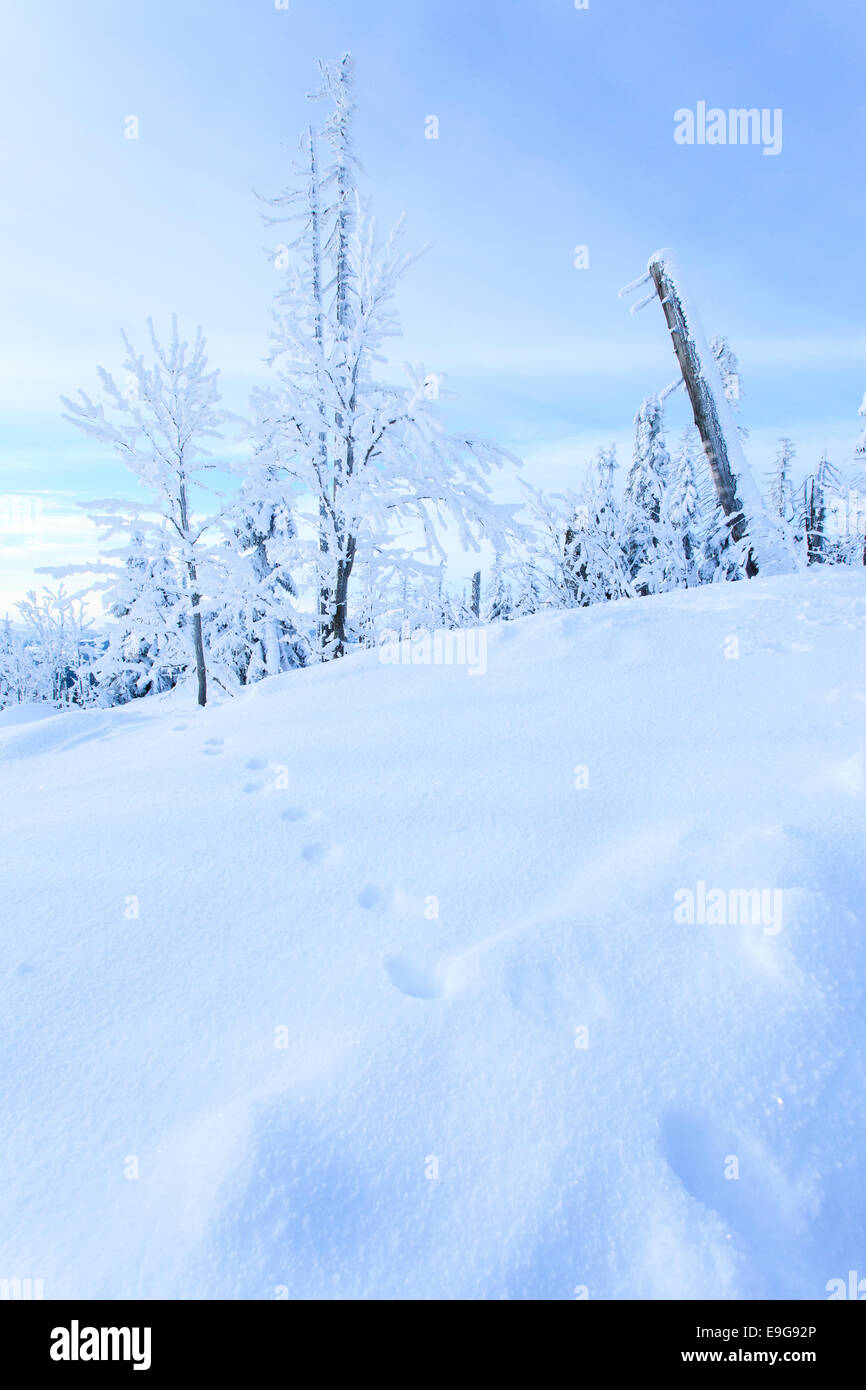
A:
[736,489]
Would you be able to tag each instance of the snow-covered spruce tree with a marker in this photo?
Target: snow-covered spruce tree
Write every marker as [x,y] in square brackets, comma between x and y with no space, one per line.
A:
[732,380]
[158,426]
[499,605]
[579,553]
[598,549]
[528,594]
[674,561]
[682,500]
[645,484]
[781,488]
[148,611]
[365,462]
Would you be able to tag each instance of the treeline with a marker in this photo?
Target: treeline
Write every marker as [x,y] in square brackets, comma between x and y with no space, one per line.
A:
[664,530]
[331,526]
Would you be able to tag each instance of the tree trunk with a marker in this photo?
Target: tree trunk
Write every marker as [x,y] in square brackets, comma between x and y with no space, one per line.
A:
[198,643]
[325,596]
[341,599]
[195,597]
[703,405]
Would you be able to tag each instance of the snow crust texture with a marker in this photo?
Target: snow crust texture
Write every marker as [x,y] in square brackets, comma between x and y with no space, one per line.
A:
[371,983]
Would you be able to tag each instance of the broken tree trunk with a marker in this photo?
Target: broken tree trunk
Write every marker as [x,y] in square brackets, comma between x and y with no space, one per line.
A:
[703,402]
[769,548]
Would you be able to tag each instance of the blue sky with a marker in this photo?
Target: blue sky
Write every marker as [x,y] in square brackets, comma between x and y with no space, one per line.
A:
[555,129]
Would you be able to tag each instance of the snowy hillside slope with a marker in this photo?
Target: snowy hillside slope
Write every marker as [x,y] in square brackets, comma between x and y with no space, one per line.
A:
[537,1092]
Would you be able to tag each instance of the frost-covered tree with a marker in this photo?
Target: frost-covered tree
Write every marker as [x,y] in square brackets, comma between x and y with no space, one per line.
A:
[57,649]
[453,608]
[158,424]
[258,628]
[579,553]
[546,573]
[369,465]
[651,462]
[732,380]
[781,485]
[682,496]
[645,484]
[819,489]
[861,442]
[674,561]
[388,599]
[721,557]
[18,677]
[599,546]
[145,651]
[850,513]
[499,604]
[529,595]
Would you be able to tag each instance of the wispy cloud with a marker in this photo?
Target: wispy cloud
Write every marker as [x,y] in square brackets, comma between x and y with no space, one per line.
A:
[37,530]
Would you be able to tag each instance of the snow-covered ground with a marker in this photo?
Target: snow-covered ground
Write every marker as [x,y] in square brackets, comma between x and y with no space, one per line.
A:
[221,968]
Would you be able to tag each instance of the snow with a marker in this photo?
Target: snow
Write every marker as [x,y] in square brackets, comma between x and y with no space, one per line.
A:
[284,847]
[25,714]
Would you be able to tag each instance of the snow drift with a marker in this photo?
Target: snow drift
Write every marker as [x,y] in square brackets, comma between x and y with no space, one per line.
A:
[369,983]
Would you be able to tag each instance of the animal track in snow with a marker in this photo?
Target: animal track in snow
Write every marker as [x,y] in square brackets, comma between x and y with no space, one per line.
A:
[212,747]
[251,787]
[370,897]
[418,981]
[294,813]
[257,764]
[314,854]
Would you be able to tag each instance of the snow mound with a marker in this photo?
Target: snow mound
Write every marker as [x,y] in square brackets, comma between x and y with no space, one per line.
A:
[377,981]
[25,714]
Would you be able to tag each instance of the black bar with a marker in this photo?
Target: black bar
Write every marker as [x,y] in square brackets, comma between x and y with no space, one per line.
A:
[222,1339]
